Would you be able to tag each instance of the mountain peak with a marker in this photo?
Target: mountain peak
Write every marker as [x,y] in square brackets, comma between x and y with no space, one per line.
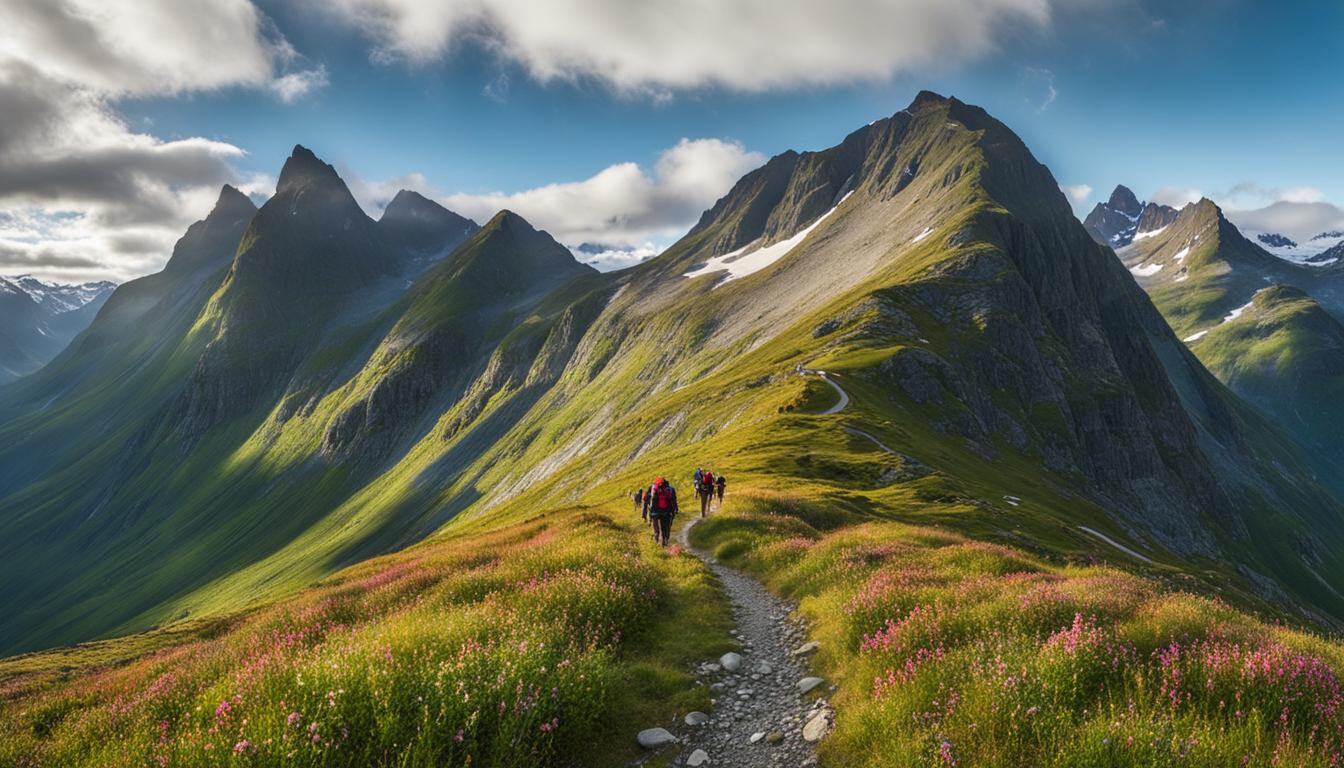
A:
[1123,199]
[232,202]
[303,168]
[422,225]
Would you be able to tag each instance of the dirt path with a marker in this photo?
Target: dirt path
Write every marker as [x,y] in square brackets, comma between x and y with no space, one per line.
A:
[844,396]
[1116,544]
[761,700]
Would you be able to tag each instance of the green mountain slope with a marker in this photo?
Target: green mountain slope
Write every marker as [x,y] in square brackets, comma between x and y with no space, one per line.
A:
[1266,327]
[316,411]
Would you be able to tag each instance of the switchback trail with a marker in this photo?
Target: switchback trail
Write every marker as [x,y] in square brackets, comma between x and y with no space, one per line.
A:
[844,401]
[844,396]
[760,709]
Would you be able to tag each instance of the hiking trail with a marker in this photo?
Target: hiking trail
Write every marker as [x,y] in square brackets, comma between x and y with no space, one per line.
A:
[844,396]
[760,711]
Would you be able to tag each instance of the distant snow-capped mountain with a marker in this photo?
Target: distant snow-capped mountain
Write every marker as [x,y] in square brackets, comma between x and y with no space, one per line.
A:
[1122,218]
[1321,250]
[38,318]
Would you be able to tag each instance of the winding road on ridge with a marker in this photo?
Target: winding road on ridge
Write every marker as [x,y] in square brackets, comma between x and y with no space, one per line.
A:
[844,402]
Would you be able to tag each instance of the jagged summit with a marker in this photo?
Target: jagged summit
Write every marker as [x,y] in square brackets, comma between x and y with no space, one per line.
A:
[1123,200]
[1123,218]
[304,167]
[422,226]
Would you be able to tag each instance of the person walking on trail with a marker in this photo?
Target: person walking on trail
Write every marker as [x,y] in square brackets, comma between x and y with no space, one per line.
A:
[662,503]
[719,483]
[706,491]
[638,496]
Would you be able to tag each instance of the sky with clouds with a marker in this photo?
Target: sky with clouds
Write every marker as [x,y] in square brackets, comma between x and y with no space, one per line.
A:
[614,124]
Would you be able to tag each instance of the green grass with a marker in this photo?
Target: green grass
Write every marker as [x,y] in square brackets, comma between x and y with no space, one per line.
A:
[529,645]
[950,651]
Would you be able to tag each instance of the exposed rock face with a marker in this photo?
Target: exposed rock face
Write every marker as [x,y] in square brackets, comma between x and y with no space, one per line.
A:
[1120,219]
[422,227]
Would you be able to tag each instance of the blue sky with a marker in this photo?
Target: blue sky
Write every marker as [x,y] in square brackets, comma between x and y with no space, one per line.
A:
[1235,100]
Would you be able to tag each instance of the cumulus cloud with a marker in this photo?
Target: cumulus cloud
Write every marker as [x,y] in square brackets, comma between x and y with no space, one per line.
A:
[96,197]
[612,219]
[1176,197]
[678,44]
[1299,220]
[624,205]
[1078,193]
[295,85]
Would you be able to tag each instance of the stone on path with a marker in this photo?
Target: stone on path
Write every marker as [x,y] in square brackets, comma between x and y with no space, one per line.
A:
[757,736]
[817,726]
[731,661]
[775,737]
[806,648]
[698,757]
[696,718]
[653,738]
[808,683]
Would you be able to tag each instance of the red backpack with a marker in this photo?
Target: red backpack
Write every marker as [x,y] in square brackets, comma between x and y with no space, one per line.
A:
[662,497]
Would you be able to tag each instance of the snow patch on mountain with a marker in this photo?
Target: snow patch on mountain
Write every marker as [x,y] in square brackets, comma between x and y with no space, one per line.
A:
[1147,270]
[744,261]
[1306,253]
[1149,233]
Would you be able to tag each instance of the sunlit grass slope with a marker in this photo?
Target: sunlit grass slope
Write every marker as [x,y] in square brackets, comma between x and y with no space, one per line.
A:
[536,644]
[952,651]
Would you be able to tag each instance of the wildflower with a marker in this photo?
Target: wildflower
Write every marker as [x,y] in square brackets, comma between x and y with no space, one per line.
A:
[223,710]
[945,753]
[242,746]
[293,720]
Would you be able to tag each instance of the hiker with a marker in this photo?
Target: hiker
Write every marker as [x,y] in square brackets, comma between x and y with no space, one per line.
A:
[699,475]
[706,491]
[661,501]
[638,496]
[720,483]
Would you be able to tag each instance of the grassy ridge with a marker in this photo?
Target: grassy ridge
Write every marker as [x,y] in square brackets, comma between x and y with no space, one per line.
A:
[525,646]
[950,651]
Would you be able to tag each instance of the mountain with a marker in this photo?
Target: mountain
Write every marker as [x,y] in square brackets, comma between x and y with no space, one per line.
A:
[422,226]
[1121,219]
[38,318]
[1264,324]
[1285,354]
[325,394]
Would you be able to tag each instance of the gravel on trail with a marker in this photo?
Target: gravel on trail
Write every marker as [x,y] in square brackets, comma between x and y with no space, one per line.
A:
[759,714]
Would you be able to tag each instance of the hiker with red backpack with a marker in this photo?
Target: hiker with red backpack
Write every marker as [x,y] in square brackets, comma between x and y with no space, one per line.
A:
[661,503]
[706,490]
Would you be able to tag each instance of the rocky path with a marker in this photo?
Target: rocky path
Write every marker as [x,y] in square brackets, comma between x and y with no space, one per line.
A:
[768,710]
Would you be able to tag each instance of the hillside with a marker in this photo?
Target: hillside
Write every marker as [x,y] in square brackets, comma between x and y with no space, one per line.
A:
[1265,325]
[308,410]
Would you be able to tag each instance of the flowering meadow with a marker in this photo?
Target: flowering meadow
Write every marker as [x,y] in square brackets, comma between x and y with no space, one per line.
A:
[954,652]
[520,647]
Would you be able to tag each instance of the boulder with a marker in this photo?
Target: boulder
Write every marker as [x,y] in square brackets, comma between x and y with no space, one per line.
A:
[654,738]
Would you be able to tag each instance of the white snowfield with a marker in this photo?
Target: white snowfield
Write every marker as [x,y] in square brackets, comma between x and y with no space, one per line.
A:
[1180,256]
[927,231]
[1234,314]
[1303,251]
[1147,270]
[1229,317]
[744,261]
[1149,233]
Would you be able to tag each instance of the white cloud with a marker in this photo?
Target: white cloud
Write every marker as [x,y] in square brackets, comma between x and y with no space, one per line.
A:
[624,205]
[1298,220]
[295,85]
[610,259]
[747,45]
[103,199]
[1078,193]
[1176,197]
